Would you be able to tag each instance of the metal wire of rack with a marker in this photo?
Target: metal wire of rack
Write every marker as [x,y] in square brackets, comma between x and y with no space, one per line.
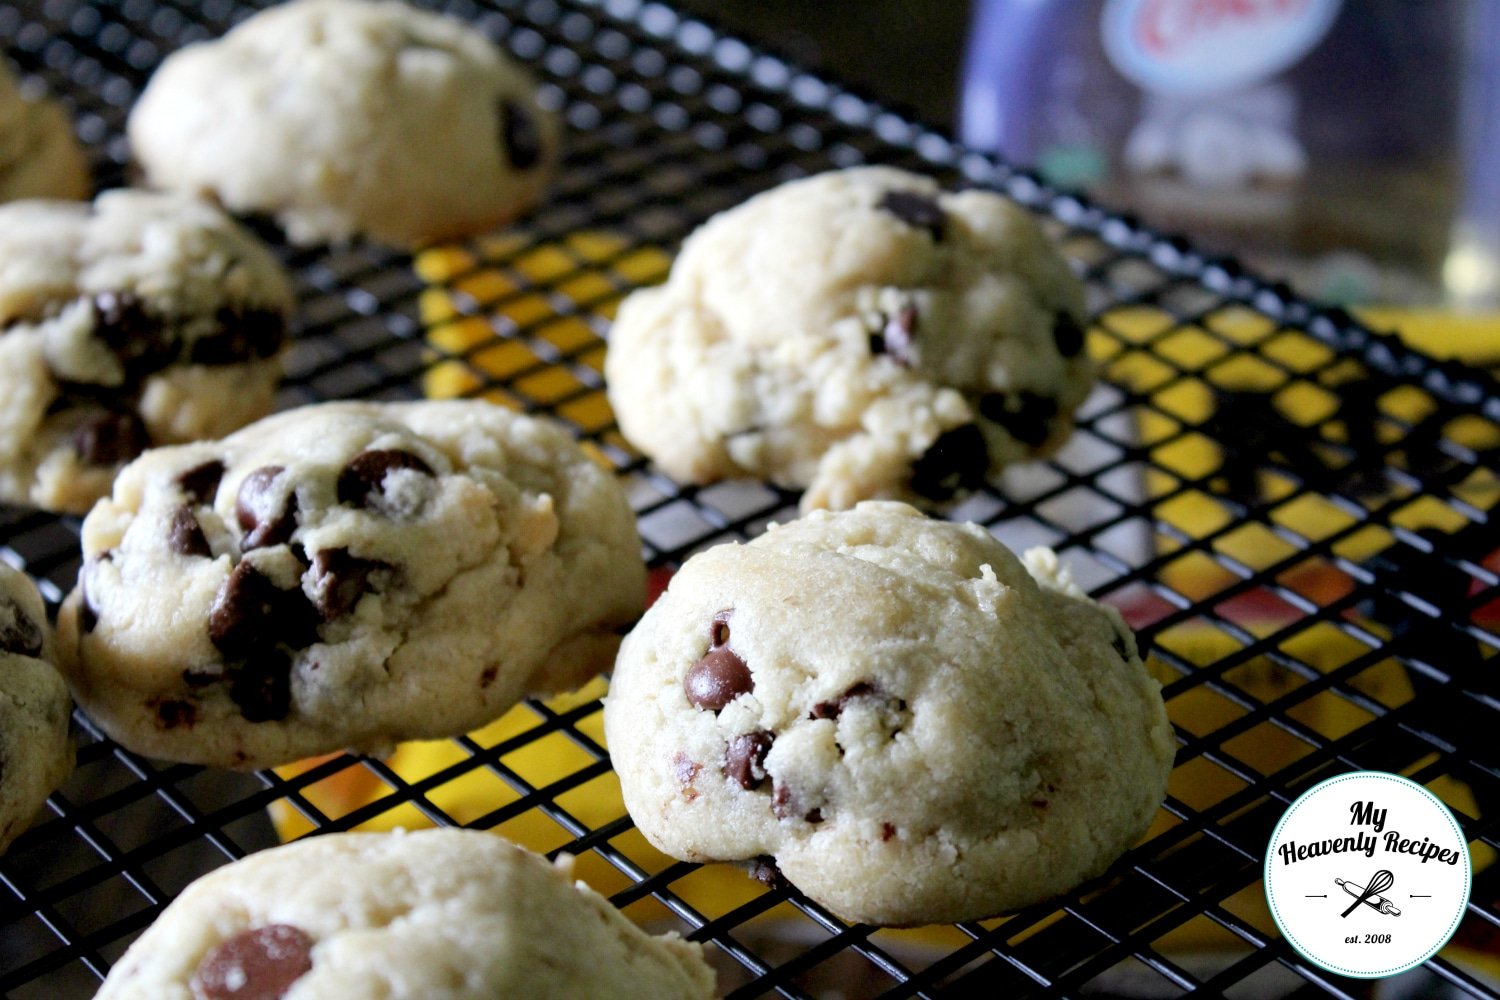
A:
[1294,512]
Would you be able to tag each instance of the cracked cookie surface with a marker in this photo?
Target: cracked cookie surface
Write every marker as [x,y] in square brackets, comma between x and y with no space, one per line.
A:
[914,725]
[431,915]
[35,752]
[347,575]
[346,116]
[142,319]
[859,334]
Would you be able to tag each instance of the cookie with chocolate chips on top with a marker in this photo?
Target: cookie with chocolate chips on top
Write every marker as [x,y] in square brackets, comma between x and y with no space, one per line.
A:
[347,575]
[429,915]
[860,334]
[35,752]
[893,714]
[142,319]
[345,117]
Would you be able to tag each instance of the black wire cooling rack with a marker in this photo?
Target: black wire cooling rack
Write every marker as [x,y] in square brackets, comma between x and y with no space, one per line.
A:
[1294,512]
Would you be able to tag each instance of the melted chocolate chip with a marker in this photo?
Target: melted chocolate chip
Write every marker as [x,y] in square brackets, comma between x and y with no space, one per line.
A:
[896,336]
[18,633]
[520,139]
[258,964]
[956,462]
[361,482]
[918,210]
[110,437]
[342,580]
[1068,335]
[242,334]
[1027,417]
[251,614]
[745,759]
[264,514]
[172,713]
[717,679]
[201,482]
[262,687]
[887,831]
[185,536]
[832,709]
[132,335]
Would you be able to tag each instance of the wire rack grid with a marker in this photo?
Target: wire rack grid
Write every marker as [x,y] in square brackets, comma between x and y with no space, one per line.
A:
[1294,512]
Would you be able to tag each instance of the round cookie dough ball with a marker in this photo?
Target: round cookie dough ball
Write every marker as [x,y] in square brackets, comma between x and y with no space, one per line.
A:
[35,753]
[347,116]
[39,155]
[859,334]
[142,319]
[347,575]
[433,915]
[914,724]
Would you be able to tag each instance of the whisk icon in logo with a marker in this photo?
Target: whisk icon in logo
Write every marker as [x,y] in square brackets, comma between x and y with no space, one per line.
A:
[1412,859]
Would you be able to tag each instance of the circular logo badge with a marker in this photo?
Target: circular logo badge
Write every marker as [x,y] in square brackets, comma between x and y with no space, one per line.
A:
[1367,874]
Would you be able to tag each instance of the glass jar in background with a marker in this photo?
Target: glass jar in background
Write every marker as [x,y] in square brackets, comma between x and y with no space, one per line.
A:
[1350,148]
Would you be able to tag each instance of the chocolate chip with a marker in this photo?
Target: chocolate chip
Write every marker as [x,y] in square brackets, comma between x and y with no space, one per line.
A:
[18,633]
[172,713]
[201,482]
[684,768]
[185,536]
[520,139]
[132,335]
[242,334]
[956,462]
[1068,335]
[832,709]
[251,614]
[110,437]
[258,964]
[262,687]
[488,675]
[814,816]
[203,676]
[1026,416]
[361,483]
[265,515]
[896,336]
[342,580]
[918,210]
[781,801]
[745,759]
[717,679]
[887,831]
[763,869]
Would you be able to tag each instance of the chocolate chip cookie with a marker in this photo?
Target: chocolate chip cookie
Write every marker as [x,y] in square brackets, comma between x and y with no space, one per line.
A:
[35,752]
[347,575]
[904,720]
[345,116]
[39,155]
[141,319]
[435,915]
[859,334]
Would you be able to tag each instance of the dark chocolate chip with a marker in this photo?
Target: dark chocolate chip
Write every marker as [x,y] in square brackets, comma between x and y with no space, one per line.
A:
[258,964]
[745,759]
[488,675]
[262,687]
[1068,335]
[203,676]
[201,482]
[242,334]
[185,536]
[361,483]
[956,462]
[265,515]
[887,831]
[763,869]
[896,336]
[109,437]
[138,339]
[832,709]
[520,139]
[172,713]
[918,210]
[251,615]
[717,679]
[342,580]
[815,816]
[1027,417]
[18,633]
